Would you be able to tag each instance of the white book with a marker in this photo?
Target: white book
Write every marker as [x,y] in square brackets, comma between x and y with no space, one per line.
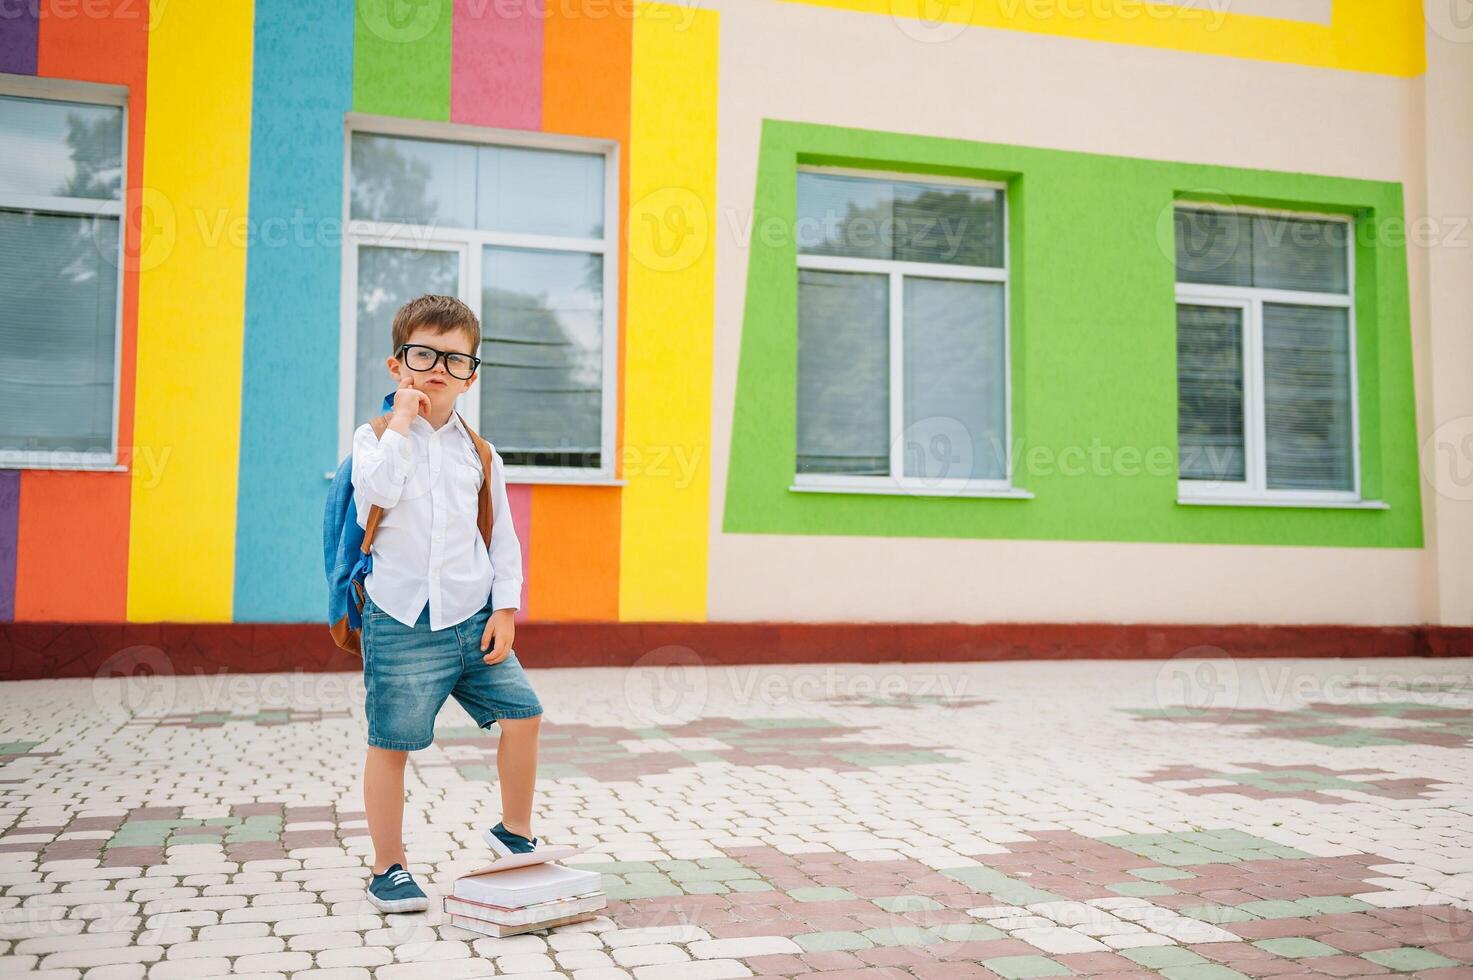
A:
[495,929]
[516,888]
[541,912]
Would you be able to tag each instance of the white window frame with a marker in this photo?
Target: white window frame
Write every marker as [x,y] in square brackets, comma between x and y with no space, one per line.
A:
[88,93]
[469,243]
[896,270]
[1253,489]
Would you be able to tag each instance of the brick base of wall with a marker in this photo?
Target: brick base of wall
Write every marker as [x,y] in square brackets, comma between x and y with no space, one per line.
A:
[37,650]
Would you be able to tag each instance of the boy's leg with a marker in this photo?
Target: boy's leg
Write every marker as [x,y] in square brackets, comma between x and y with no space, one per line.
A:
[383,802]
[516,768]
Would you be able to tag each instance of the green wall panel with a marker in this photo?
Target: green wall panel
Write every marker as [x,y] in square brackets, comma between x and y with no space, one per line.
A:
[401,58]
[1093,352]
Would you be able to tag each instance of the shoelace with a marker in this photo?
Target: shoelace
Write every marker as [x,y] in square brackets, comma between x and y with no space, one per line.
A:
[399,877]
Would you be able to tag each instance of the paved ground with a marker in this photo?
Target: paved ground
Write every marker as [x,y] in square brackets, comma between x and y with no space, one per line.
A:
[1189,819]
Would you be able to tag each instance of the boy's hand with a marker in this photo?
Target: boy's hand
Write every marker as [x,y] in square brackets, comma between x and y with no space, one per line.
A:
[500,629]
[409,401]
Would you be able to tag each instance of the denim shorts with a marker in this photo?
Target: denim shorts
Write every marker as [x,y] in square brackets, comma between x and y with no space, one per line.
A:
[409,672]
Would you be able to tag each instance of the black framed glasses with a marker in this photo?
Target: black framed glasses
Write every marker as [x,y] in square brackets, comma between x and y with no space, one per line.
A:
[418,357]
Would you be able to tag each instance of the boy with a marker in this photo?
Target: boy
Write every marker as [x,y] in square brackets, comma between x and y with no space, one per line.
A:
[438,617]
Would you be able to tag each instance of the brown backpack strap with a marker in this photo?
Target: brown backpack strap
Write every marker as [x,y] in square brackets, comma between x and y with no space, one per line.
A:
[483,502]
[375,511]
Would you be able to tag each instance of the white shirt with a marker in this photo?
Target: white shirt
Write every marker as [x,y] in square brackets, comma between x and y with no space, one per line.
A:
[427,546]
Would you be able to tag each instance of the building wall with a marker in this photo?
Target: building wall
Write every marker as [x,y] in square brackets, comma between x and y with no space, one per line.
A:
[1096,112]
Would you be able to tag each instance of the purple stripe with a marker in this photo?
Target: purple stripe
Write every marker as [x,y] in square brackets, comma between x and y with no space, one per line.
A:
[9,527]
[19,20]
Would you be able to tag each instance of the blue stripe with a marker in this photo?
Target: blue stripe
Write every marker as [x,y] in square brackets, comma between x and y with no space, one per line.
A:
[288,437]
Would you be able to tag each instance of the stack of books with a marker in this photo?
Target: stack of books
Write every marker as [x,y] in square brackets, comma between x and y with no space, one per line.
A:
[524,893]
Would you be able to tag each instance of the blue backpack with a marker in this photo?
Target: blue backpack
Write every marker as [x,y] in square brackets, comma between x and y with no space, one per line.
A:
[346,553]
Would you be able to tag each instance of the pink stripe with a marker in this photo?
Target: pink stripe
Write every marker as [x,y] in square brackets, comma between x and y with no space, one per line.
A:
[496,65]
[519,496]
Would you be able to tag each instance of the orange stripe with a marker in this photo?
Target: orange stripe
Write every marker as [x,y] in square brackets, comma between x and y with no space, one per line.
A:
[575,530]
[72,549]
[575,574]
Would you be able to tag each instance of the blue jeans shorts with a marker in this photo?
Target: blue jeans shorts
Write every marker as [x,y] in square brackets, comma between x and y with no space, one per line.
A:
[409,672]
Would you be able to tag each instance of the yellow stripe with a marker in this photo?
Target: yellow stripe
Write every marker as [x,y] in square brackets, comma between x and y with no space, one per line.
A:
[191,300]
[671,314]
[1386,37]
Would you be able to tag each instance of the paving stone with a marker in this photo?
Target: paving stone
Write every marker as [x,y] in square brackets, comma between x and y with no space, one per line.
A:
[855,833]
[1407,959]
[1295,948]
[1024,967]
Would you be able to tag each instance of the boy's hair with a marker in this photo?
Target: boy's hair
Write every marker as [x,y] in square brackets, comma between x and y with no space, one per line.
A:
[441,314]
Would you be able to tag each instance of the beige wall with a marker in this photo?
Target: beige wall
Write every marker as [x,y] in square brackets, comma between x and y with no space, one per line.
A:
[1445,405]
[819,65]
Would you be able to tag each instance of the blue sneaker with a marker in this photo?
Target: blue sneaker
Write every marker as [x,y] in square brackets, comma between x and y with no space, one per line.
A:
[505,843]
[395,891]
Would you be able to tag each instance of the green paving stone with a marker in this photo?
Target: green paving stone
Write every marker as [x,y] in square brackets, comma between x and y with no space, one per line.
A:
[722,862]
[1159,957]
[640,732]
[749,885]
[1009,891]
[671,865]
[1218,846]
[1275,908]
[1161,874]
[1408,958]
[1295,947]
[1202,971]
[704,888]
[900,936]
[17,748]
[712,874]
[1141,889]
[221,821]
[1023,967]
[786,723]
[1355,739]
[1217,914]
[820,893]
[824,942]
[907,903]
[615,867]
[694,756]
[1332,903]
[641,886]
[966,932]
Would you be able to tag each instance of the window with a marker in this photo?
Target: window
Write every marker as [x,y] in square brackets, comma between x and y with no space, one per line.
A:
[61,207]
[902,334]
[525,234]
[1265,357]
